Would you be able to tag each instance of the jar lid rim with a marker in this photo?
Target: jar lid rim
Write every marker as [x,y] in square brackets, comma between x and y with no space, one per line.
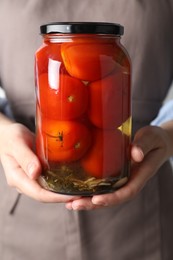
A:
[82,28]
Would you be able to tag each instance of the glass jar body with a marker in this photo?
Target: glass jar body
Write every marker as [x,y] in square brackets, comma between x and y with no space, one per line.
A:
[83,113]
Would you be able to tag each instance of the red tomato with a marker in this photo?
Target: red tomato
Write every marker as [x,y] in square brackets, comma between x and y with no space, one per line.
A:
[61,96]
[105,157]
[46,53]
[65,141]
[109,101]
[89,59]
[39,142]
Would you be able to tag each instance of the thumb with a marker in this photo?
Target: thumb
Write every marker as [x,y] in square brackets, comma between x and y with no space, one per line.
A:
[26,159]
[145,140]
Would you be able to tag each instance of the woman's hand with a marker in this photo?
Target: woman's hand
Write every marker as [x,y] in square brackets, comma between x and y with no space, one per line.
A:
[21,165]
[151,147]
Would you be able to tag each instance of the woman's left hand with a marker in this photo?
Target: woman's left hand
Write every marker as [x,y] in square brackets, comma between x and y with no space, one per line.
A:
[151,147]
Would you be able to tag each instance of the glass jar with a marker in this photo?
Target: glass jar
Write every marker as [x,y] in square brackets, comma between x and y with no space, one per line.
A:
[83,108]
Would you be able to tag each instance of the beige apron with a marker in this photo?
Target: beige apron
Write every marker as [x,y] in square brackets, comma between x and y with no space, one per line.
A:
[140,229]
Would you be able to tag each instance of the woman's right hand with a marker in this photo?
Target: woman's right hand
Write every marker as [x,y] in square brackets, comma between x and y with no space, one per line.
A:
[21,165]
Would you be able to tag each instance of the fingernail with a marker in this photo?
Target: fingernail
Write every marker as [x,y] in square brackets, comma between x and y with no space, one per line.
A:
[31,169]
[69,207]
[141,154]
[138,153]
[99,203]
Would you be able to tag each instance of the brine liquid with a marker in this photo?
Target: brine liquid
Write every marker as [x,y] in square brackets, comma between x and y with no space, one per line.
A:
[83,120]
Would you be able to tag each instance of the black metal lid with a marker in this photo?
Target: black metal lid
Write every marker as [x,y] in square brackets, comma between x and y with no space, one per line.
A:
[82,28]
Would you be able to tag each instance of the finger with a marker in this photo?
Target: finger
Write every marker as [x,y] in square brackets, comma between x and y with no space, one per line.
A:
[136,183]
[146,139]
[18,179]
[26,158]
[141,173]
[84,203]
[137,154]
[120,196]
